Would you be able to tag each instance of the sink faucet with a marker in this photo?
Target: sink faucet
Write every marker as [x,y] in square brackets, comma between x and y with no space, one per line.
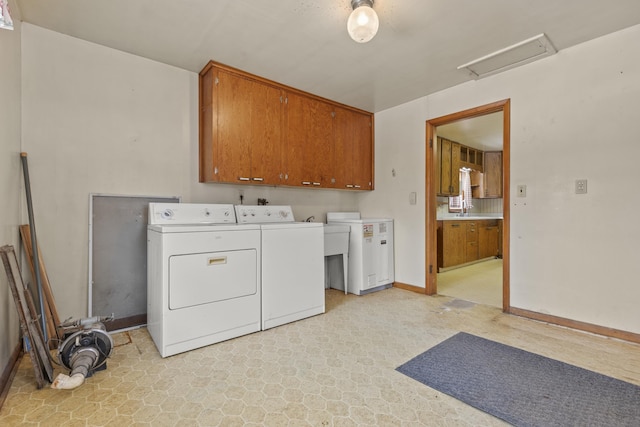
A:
[462,212]
[462,203]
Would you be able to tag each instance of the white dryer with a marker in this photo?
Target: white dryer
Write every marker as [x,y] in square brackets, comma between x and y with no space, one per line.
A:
[203,276]
[371,261]
[292,264]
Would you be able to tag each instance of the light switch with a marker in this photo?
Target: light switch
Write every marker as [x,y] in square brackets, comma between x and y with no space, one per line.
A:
[412,198]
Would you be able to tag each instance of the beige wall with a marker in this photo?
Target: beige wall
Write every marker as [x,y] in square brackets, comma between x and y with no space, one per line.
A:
[10,176]
[97,120]
[573,116]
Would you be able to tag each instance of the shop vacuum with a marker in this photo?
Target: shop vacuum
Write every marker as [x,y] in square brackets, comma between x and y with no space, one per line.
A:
[85,347]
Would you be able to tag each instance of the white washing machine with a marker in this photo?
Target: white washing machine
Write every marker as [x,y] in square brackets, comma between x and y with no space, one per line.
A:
[203,276]
[371,261]
[292,264]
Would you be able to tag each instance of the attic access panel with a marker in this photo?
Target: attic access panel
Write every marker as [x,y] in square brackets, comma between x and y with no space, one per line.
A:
[118,257]
[513,56]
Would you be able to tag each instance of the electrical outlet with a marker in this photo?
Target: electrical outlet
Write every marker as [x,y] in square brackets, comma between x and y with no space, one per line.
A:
[522,191]
[581,186]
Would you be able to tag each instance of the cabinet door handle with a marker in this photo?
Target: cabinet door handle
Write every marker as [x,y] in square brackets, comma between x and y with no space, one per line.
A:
[242,178]
[306,183]
[258,179]
[455,225]
[349,185]
[357,186]
[316,183]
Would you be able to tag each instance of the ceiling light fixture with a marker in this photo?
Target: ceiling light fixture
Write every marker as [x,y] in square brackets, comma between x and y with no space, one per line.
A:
[363,22]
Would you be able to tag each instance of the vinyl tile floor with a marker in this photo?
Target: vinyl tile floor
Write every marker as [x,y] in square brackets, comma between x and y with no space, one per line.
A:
[335,369]
[480,283]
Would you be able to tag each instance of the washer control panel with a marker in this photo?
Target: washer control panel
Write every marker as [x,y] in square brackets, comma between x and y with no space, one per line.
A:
[260,214]
[191,213]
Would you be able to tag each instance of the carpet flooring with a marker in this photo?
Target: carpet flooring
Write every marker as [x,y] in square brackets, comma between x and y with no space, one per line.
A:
[523,388]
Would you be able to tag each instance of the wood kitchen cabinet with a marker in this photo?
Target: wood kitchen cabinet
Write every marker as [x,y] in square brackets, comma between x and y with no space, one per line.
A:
[256,131]
[241,129]
[451,243]
[488,238]
[500,227]
[449,162]
[488,184]
[465,241]
[353,133]
[492,174]
[471,158]
[471,241]
[309,141]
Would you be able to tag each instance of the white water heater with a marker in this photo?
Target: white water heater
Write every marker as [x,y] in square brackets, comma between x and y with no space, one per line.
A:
[371,265]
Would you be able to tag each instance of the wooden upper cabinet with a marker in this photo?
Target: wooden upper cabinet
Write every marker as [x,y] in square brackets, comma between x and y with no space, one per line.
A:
[208,171]
[256,131]
[233,139]
[266,134]
[353,136]
[241,131]
[493,174]
[449,155]
[309,141]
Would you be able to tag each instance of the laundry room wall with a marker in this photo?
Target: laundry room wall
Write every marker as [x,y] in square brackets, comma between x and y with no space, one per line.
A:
[10,177]
[573,116]
[98,120]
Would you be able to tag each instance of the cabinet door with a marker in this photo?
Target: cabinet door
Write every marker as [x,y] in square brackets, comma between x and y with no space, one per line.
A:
[488,236]
[493,174]
[363,152]
[453,243]
[240,129]
[208,121]
[353,142]
[471,253]
[308,132]
[449,167]
[266,134]
[233,147]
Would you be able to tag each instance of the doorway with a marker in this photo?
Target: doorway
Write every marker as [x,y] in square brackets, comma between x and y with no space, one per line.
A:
[431,250]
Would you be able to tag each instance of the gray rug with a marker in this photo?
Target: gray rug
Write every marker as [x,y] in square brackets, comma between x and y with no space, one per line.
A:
[523,388]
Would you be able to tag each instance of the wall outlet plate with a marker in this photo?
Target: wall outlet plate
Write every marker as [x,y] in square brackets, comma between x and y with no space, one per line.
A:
[581,186]
[522,191]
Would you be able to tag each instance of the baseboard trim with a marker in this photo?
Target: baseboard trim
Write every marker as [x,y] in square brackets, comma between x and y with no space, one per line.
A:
[9,372]
[407,287]
[574,324]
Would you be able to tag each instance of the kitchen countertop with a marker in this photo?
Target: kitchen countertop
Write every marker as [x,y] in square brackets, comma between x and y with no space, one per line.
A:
[475,217]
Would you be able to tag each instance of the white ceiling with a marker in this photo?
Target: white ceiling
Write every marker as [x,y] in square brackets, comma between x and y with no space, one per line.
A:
[483,133]
[304,43]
